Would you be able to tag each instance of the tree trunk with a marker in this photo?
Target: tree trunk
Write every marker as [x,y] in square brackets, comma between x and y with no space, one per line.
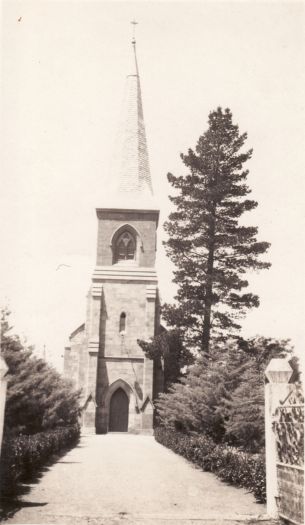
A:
[205,341]
[208,307]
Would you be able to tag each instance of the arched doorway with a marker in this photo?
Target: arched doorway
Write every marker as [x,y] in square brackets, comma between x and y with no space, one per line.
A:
[119,408]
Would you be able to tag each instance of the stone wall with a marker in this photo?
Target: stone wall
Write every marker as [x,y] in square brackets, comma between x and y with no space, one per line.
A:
[75,358]
[101,356]
[129,298]
[143,223]
[119,356]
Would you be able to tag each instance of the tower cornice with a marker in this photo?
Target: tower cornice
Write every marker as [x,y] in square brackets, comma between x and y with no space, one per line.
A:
[125,213]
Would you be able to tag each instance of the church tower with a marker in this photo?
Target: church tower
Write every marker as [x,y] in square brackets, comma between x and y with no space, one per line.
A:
[103,358]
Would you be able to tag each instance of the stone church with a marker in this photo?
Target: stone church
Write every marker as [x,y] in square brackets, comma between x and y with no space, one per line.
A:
[103,358]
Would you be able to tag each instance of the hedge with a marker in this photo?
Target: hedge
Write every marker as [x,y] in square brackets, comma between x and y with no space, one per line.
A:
[228,463]
[22,456]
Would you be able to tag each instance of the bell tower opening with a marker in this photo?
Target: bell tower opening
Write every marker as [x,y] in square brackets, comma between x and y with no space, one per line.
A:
[125,248]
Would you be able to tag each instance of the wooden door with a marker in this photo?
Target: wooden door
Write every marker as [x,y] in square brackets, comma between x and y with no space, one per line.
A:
[119,408]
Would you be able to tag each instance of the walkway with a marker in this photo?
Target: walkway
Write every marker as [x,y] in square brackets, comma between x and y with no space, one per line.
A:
[125,479]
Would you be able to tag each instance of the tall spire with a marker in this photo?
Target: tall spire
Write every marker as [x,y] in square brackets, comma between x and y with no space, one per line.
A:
[132,177]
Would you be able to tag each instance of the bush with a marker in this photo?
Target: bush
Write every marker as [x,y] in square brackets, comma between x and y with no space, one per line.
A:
[240,468]
[222,395]
[228,463]
[38,397]
[23,455]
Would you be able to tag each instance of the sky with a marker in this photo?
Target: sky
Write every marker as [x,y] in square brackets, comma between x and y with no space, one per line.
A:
[63,68]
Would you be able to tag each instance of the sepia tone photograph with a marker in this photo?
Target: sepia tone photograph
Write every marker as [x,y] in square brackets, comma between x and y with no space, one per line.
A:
[152,270]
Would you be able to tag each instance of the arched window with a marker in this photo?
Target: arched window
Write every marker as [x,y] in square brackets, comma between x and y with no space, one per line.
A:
[125,249]
[122,322]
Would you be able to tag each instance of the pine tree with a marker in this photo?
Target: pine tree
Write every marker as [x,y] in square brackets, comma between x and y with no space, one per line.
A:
[168,348]
[211,250]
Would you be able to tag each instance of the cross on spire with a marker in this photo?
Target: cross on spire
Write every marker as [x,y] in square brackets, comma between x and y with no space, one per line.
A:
[134,23]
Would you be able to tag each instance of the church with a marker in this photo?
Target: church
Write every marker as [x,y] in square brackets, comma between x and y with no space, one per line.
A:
[118,382]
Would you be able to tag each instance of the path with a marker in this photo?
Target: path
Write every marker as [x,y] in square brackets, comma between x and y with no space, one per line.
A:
[126,479]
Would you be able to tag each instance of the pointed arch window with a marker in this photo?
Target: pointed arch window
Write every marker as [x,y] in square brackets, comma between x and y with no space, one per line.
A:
[122,327]
[125,249]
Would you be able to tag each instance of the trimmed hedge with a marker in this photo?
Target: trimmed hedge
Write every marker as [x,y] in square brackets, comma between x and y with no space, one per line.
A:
[22,456]
[228,463]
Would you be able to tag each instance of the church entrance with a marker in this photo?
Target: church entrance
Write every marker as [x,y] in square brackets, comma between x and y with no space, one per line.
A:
[119,408]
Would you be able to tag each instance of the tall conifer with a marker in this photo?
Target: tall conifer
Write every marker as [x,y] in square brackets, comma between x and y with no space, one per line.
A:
[211,249]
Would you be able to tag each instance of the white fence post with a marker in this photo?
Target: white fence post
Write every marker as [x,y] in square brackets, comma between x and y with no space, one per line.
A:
[3,384]
[278,372]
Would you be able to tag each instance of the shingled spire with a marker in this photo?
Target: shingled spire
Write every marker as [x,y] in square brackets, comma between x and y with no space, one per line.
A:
[131,172]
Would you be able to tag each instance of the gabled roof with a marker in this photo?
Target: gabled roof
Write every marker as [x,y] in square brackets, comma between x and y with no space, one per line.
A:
[81,328]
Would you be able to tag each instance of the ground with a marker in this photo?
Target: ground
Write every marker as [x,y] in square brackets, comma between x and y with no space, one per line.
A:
[125,479]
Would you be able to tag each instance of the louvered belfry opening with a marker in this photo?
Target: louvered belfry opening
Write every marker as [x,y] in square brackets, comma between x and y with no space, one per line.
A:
[125,249]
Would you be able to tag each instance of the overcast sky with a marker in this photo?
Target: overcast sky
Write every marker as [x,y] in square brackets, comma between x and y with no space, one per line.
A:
[64,67]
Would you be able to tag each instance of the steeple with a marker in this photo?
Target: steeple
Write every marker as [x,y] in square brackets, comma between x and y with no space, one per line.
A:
[131,178]
[123,300]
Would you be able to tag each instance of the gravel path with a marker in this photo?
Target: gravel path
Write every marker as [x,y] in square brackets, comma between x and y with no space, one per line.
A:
[126,479]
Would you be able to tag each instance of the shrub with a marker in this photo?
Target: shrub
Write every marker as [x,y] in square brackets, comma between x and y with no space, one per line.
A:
[240,468]
[222,395]
[23,455]
[38,397]
[228,463]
